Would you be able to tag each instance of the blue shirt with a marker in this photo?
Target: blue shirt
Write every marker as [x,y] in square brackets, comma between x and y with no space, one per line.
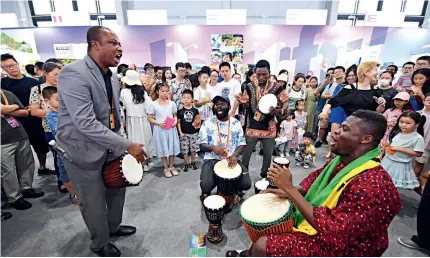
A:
[321,101]
[209,134]
[52,120]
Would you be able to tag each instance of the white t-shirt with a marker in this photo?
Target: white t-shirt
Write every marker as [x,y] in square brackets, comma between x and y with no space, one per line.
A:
[230,89]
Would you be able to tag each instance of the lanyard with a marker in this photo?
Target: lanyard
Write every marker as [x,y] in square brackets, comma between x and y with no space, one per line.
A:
[6,102]
[112,115]
[219,132]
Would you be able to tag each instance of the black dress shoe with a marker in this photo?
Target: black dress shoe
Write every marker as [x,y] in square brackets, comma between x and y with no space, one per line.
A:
[124,231]
[31,193]
[21,204]
[6,215]
[108,250]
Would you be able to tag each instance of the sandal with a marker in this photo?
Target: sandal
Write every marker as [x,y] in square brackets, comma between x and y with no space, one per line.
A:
[174,171]
[237,200]
[167,173]
[236,253]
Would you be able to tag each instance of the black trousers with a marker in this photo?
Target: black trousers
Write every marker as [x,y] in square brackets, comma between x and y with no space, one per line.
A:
[423,218]
[208,180]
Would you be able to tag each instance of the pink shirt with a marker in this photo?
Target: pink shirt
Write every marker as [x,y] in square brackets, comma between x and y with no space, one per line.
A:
[391,116]
[288,127]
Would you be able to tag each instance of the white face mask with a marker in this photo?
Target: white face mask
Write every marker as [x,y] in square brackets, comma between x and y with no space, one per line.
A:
[384,82]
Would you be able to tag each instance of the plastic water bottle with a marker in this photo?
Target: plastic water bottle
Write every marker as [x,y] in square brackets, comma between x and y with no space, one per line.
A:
[60,150]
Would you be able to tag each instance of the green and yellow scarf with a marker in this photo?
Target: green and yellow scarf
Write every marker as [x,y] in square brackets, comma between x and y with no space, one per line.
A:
[325,192]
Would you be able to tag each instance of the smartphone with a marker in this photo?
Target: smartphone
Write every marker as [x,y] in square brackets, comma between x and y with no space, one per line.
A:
[327,76]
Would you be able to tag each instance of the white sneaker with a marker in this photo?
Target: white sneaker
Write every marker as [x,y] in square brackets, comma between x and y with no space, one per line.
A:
[145,168]
[287,154]
[282,155]
[306,166]
[151,164]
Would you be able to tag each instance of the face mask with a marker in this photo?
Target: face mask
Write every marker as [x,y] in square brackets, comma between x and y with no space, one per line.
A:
[384,82]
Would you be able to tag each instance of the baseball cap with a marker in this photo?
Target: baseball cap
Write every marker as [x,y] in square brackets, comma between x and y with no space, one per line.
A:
[147,65]
[216,98]
[402,95]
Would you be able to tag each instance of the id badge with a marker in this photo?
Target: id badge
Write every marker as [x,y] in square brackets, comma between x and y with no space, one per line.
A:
[112,119]
[257,116]
[11,121]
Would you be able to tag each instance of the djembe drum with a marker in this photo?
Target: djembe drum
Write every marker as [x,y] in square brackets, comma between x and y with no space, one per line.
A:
[122,172]
[226,181]
[214,210]
[264,214]
[261,185]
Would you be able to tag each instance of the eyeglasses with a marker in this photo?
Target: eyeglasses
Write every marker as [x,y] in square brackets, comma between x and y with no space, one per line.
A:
[11,66]
[421,64]
[408,68]
[181,70]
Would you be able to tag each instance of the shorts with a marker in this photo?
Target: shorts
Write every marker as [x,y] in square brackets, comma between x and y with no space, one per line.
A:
[424,158]
[36,134]
[63,173]
[189,143]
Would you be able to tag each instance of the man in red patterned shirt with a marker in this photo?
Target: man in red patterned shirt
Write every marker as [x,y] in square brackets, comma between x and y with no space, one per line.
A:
[357,223]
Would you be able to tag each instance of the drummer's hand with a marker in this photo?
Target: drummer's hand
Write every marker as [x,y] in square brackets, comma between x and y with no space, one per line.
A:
[137,152]
[277,192]
[281,177]
[274,111]
[232,161]
[323,115]
[220,151]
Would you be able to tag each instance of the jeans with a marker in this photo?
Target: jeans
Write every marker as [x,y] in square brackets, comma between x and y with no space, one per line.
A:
[49,137]
[208,181]
[268,145]
[284,148]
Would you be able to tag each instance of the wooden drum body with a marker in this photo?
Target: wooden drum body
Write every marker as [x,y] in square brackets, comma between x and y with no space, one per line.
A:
[214,211]
[264,214]
[227,178]
[122,172]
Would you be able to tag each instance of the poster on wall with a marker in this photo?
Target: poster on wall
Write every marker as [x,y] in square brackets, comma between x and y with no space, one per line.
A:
[21,44]
[226,43]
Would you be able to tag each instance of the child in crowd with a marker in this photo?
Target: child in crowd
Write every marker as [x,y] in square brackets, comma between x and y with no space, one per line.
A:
[421,161]
[188,124]
[135,103]
[300,118]
[420,87]
[405,81]
[406,142]
[286,135]
[306,154]
[162,114]
[202,98]
[392,115]
[50,97]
